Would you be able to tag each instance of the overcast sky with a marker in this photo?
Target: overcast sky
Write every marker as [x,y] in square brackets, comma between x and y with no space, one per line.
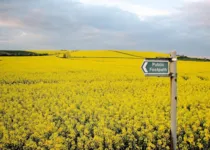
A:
[163,25]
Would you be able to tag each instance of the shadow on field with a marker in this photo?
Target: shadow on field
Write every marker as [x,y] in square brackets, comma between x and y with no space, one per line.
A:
[127,54]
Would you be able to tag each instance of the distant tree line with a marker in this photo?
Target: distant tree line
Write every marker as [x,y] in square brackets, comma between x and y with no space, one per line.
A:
[186,58]
[20,53]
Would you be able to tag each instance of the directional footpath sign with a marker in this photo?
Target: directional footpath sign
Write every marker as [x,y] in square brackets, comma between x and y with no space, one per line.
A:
[166,67]
[155,67]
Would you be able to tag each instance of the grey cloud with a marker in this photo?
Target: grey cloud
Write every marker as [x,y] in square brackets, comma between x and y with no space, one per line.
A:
[7,34]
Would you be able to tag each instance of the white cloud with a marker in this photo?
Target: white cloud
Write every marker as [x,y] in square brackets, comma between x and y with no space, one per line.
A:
[141,11]
[197,13]
[23,33]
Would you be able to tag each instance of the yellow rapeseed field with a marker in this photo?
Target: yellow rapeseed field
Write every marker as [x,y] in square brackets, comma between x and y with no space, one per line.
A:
[100,100]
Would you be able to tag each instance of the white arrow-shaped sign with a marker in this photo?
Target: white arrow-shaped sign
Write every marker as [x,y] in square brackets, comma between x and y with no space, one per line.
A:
[144,67]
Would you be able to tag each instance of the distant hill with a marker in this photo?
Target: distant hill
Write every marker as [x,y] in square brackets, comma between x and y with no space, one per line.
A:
[129,54]
[20,53]
[96,54]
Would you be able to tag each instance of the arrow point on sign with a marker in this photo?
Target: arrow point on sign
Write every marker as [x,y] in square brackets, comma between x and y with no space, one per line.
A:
[144,67]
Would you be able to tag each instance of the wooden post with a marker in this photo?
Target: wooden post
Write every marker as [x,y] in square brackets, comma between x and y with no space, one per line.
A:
[173,78]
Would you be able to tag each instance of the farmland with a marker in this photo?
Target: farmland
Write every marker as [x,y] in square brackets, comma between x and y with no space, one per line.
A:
[100,100]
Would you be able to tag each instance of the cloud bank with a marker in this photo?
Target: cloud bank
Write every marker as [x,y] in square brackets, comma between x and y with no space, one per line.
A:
[89,24]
